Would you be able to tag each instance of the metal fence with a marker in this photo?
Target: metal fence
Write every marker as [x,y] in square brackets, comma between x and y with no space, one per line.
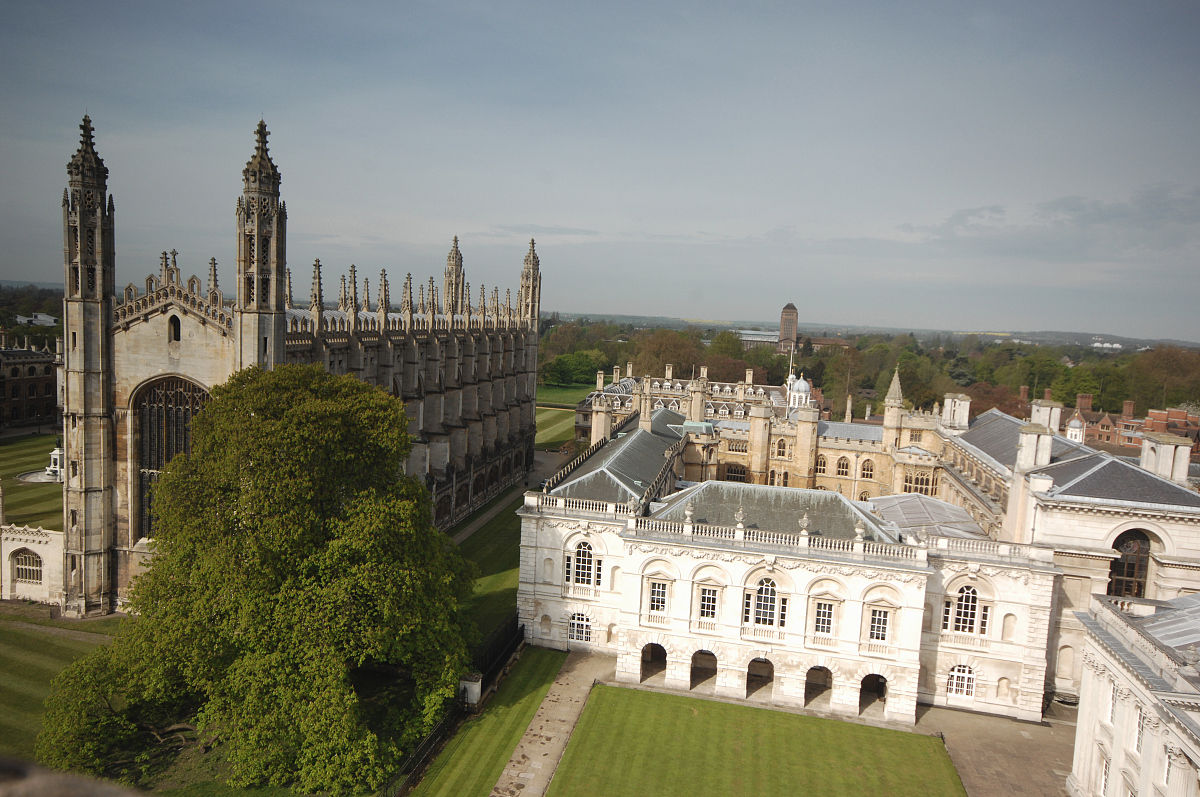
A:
[489,659]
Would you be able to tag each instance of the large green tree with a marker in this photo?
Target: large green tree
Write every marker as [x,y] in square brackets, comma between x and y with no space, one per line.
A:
[301,612]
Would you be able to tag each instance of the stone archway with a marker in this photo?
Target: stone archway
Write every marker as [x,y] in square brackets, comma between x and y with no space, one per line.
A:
[872,696]
[704,671]
[654,662]
[760,678]
[818,689]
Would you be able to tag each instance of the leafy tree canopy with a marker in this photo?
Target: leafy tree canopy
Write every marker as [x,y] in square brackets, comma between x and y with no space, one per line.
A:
[300,611]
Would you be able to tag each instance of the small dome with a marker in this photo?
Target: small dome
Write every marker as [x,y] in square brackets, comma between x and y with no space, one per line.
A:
[1075,423]
[800,386]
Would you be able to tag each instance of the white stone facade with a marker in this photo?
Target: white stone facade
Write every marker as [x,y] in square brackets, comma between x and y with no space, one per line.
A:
[1139,709]
[825,620]
[31,559]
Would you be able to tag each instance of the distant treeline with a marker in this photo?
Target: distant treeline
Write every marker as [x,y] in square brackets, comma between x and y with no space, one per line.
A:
[25,300]
[991,373]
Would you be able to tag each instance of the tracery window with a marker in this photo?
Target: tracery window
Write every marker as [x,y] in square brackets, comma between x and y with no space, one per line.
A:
[164,410]
[28,567]
[1127,573]
[820,467]
[921,482]
[781,448]
[867,470]
[843,466]
[962,681]
[735,473]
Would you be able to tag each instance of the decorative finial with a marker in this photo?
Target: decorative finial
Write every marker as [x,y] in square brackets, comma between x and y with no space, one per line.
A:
[260,138]
[86,138]
[740,516]
[689,511]
[859,531]
[804,524]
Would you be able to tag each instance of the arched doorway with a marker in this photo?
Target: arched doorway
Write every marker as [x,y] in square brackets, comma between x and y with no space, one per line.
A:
[818,688]
[760,677]
[872,694]
[704,670]
[654,661]
[1127,573]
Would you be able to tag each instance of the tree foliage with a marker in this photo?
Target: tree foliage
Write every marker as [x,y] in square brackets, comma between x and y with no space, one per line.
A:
[300,611]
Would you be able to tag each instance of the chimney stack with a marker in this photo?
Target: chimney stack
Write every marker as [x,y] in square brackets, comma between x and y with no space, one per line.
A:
[1083,402]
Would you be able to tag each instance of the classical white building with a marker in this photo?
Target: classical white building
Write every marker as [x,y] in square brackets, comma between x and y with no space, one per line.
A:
[791,596]
[1139,709]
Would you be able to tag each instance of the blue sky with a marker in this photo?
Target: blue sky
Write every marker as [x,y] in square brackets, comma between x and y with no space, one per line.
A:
[948,165]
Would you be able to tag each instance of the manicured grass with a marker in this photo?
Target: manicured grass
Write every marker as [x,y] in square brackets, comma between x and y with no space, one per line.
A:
[29,659]
[554,427]
[630,742]
[29,504]
[474,759]
[562,395]
[496,548]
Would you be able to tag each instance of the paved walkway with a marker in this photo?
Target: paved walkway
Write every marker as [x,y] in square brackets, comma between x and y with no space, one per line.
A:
[996,756]
[545,464]
[536,756]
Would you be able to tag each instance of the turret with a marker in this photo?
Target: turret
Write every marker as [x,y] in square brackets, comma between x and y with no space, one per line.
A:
[530,299]
[893,411]
[261,259]
[88,271]
[452,296]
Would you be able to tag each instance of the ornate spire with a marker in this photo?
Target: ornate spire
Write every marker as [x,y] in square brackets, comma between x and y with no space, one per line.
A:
[86,165]
[287,295]
[385,299]
[342,295]
[529,299]
[420,300]
[212,274]
[452,295]
[895,398]
[406,302]
[366,300]
[352,298]
[316,298]
[261,173]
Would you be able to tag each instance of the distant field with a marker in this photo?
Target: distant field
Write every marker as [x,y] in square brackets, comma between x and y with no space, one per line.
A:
[29,504]
[687,746]
[562,395]
[474,759]
[554,427]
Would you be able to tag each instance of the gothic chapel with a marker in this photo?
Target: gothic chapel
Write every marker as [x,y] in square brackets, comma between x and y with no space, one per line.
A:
[139,364]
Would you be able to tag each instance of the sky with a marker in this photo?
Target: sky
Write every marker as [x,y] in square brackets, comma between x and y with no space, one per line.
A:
[962,166]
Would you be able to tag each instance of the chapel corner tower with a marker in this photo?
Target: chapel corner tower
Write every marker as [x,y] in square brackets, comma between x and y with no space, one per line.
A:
[531,288]
[89,279]
[262,303]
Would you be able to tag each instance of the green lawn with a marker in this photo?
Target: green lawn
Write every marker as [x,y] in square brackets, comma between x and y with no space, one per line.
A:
[29,504]
[630,742]
[554,427]
[473,760]
[562,395]
[496,548]
[29,659]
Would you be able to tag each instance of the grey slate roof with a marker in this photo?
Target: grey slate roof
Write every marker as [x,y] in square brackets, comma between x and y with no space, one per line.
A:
[1176,624]
[921,514]
[996,435]
[623,468]
[772,508]
[850,431]
[1106,477]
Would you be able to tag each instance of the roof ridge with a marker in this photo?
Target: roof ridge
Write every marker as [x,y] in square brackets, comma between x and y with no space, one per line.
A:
[1101,464]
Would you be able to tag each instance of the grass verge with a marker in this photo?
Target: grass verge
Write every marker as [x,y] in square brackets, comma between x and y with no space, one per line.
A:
[29,504]
[495,548]
[688,746]
[554,428]
[474,759]
[29,660]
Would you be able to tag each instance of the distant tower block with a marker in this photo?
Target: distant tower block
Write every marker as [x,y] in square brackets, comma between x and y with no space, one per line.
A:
[787,327]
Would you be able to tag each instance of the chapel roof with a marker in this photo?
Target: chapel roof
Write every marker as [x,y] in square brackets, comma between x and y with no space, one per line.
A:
[624,467]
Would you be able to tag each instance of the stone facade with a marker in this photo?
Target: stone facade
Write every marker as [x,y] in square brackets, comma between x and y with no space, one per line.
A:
[1138,730]
[138,364]
[28,384]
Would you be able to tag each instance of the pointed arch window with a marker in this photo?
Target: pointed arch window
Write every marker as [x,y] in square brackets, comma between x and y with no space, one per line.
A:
[867,469]
[820,467]
[843,466]
[781,448]
[27,567]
